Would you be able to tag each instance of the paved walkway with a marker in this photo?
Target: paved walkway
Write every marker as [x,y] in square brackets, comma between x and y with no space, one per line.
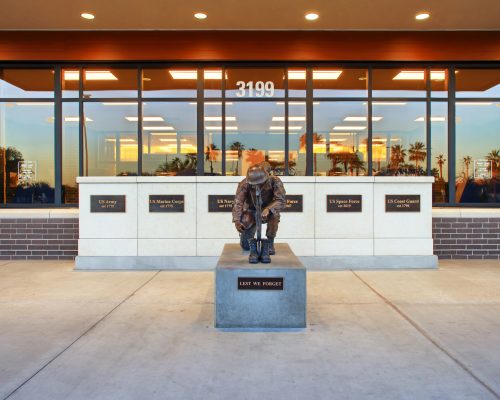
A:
[432,334]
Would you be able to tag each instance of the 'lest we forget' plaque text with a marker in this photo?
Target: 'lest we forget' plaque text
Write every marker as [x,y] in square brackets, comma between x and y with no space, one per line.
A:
[344,203]
[107,203]
[252,283]
[402,203]
[166,203]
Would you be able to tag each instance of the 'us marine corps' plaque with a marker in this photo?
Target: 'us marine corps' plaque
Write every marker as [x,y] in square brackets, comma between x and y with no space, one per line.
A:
[166,203]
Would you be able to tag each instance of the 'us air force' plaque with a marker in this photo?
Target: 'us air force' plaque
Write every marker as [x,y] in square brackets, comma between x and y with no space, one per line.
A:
[107,203]
[166,203]
[344,203]
[220,202]
[260,283]
[402,203]
[294,203]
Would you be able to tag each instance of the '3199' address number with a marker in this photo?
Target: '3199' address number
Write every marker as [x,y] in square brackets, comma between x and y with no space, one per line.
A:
[255,89]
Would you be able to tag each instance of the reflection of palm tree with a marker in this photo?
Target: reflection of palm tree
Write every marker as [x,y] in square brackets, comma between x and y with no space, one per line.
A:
[357,164]
[417,153]
[440,162]
[398,155]
[350,161]
[211,154]
[254,156]
[494,157]
[467,160]
[10,161]
[317,138]
[239,147]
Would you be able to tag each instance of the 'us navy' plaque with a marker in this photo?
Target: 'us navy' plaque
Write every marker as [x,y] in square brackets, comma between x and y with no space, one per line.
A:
[294,203]
[166,203]
[107,203]
[402,203]
[344,203]
[260,283]
[220,202]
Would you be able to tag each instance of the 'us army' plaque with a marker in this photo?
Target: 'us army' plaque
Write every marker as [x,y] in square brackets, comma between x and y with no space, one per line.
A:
[260,283]
[166,203]
[294,203]
[107,203]
[402,203]
[220,202]
[344,203]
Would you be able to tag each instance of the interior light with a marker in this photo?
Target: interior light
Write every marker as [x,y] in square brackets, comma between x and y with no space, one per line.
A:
[77,119]
[212,103]
[219,128]
[312,16]
[357,119]
[145,119]
[346,128]
[200,15]
[128,103]
[87,15]
[422,15]
[219,119]
[433,119]
[163,133]
[289,118]
[387,103]
[338,140]
[193,74]
[281,133]
[167,140]
[90,76]
[34,103]
[282,128]
[420,75]
[158,128]
[472,103]
[326,75]
[71,75]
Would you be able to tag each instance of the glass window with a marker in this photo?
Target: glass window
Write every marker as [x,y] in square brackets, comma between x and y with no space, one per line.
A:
[26,83]
[478,153]
[439,82]
[169,138]
[340,138]
[477,82]
[170,82]
[398,143]
[70,150]
[213,136]
[255,135]
[400,82]
[297,128]
[439,151]
[27,152]
[70,82]
[339,82]
[213,82]
[110,139]
[107,82]
[255,83]
[297,82]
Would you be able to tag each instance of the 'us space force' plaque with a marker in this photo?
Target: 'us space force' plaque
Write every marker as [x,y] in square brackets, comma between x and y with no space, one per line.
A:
[344,203]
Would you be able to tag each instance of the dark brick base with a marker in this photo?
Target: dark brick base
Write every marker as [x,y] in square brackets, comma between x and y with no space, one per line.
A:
[466,238]
[57,238]
[38,239]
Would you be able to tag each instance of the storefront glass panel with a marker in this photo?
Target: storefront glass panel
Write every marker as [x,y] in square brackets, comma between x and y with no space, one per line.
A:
[297,127]
[70,151]
[169,138]
[107,82]
[213,136]
[26,83]
[70,82]
[399,138]
[477,83]
[401,82]
[439,82]
[478,152]
[27,153]
[439,151]
[340,138]
[110,139]
[340,82]
[169,82]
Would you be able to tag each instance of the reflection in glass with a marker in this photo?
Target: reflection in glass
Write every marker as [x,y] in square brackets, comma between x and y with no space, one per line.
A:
[254,136]
[339,82]
[402,82]
[478,153]
[70,82]
[297,82]
[169,138]
[439,151]
[398,144]
[171,82]
[213,137]
[26,83]
[439,82]
[340,135]
[106,82]
[477,82]
[27,153]
[110,139]
[70,149]
[255,83]
[297,138]
[213,82]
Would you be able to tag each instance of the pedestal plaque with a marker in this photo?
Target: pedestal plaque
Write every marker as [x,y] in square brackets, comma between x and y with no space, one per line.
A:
[107,203]
[344,203]
[166,203]
[220,202]
[294,203]
[402,203]
[260,295]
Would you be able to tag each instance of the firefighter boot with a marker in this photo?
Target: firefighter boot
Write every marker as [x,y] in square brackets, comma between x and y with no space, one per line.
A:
[253,258]
[264,255]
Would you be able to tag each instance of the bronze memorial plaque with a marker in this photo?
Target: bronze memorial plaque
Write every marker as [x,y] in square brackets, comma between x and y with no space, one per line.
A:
[166,203]
[220,202]
[251,283]
[294,203]
[402,203]
[344,203]
[107,203]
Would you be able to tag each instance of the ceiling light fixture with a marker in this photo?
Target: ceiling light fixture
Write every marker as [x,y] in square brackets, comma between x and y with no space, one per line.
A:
[433,119]
[282,128]
[145,119]
[87,15]
[422,15]
[90,76]
[200,15]
[192,74]
[289,118]
[358,119]
[219,119]
[317,75]
[158,128]
[347,128]
[312,16]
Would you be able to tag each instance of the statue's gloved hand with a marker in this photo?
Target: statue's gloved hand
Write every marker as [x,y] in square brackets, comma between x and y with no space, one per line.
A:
[265,214]
[239,226]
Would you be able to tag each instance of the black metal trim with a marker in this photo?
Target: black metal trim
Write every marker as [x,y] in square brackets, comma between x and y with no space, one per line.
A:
[451,137]
[200,125]
[309,123]
[287,123]
[370,122]
[428,115]
[223,132]
[58,138]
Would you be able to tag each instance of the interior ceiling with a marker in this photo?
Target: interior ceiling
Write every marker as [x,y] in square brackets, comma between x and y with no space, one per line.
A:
[249,15]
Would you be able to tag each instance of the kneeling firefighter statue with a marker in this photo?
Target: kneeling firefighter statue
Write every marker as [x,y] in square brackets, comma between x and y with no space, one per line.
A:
[259,199]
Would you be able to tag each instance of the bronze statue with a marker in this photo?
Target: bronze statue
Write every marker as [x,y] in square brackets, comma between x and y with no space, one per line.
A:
[259,199]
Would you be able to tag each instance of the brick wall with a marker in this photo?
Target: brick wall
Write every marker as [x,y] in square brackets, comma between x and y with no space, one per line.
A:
[57,238]
[466,238]
[38,238]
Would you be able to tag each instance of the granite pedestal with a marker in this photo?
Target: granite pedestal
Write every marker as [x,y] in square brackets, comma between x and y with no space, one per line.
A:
[260,295]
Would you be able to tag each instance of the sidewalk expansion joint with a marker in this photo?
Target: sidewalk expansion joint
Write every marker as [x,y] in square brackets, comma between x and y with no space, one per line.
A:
[105,316]
[427,336]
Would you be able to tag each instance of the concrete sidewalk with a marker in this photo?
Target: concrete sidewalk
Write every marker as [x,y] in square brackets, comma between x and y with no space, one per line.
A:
[427,334]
